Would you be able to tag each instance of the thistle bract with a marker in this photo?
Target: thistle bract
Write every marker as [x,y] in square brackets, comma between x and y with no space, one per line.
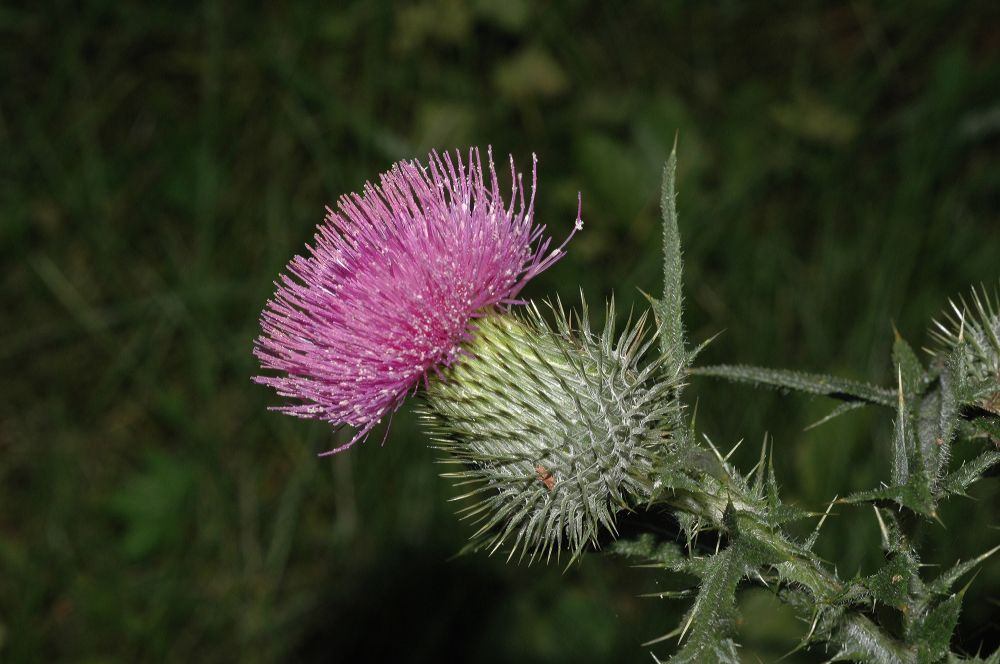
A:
[976,330]
[555,429]
[391,285]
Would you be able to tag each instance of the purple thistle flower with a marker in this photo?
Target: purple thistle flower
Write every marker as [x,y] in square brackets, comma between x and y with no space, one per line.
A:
[393,284]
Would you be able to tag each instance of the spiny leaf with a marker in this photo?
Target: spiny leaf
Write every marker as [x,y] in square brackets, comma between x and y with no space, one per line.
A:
[936,424]
[831,386]
[777,511]
[964,477]
[911,481]
[785,513]
[900,470]
[932,634]
[670,310]
[709,620]
[913,496]
[943,583]
[891,583]
[862,641]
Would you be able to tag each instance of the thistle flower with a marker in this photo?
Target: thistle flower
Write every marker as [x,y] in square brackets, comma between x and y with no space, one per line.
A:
[392,284]
[977,329]
[556,429]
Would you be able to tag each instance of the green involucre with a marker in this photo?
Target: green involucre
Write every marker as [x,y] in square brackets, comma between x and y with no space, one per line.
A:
[555,428]
[976,330]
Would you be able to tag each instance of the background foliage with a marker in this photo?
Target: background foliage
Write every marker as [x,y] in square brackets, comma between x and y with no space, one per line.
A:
[839,171]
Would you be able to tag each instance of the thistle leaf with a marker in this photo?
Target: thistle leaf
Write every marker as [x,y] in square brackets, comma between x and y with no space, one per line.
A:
[932,633]
[710,619]
[943,583]
[937,420]
[897,583]
[862,641]
[891,583]
[670,309]
[961,479]
[912,480]
[830,386]
[900,471]
[912,496]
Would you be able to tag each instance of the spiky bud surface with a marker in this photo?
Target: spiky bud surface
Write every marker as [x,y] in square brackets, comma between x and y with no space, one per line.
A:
[555,429]
[976,328]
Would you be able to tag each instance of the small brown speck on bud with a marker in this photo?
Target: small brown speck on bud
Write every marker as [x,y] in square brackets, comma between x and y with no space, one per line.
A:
[546,477]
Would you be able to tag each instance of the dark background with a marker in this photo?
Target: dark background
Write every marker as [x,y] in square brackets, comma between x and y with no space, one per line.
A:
[839,171]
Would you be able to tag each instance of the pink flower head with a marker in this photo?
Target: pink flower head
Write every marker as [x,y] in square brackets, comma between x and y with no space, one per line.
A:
[393,284]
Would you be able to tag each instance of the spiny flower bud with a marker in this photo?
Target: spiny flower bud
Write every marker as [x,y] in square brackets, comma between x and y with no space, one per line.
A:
[556,428]
[977,329]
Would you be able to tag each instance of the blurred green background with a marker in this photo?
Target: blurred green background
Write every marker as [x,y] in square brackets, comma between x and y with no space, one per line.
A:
[839,171]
